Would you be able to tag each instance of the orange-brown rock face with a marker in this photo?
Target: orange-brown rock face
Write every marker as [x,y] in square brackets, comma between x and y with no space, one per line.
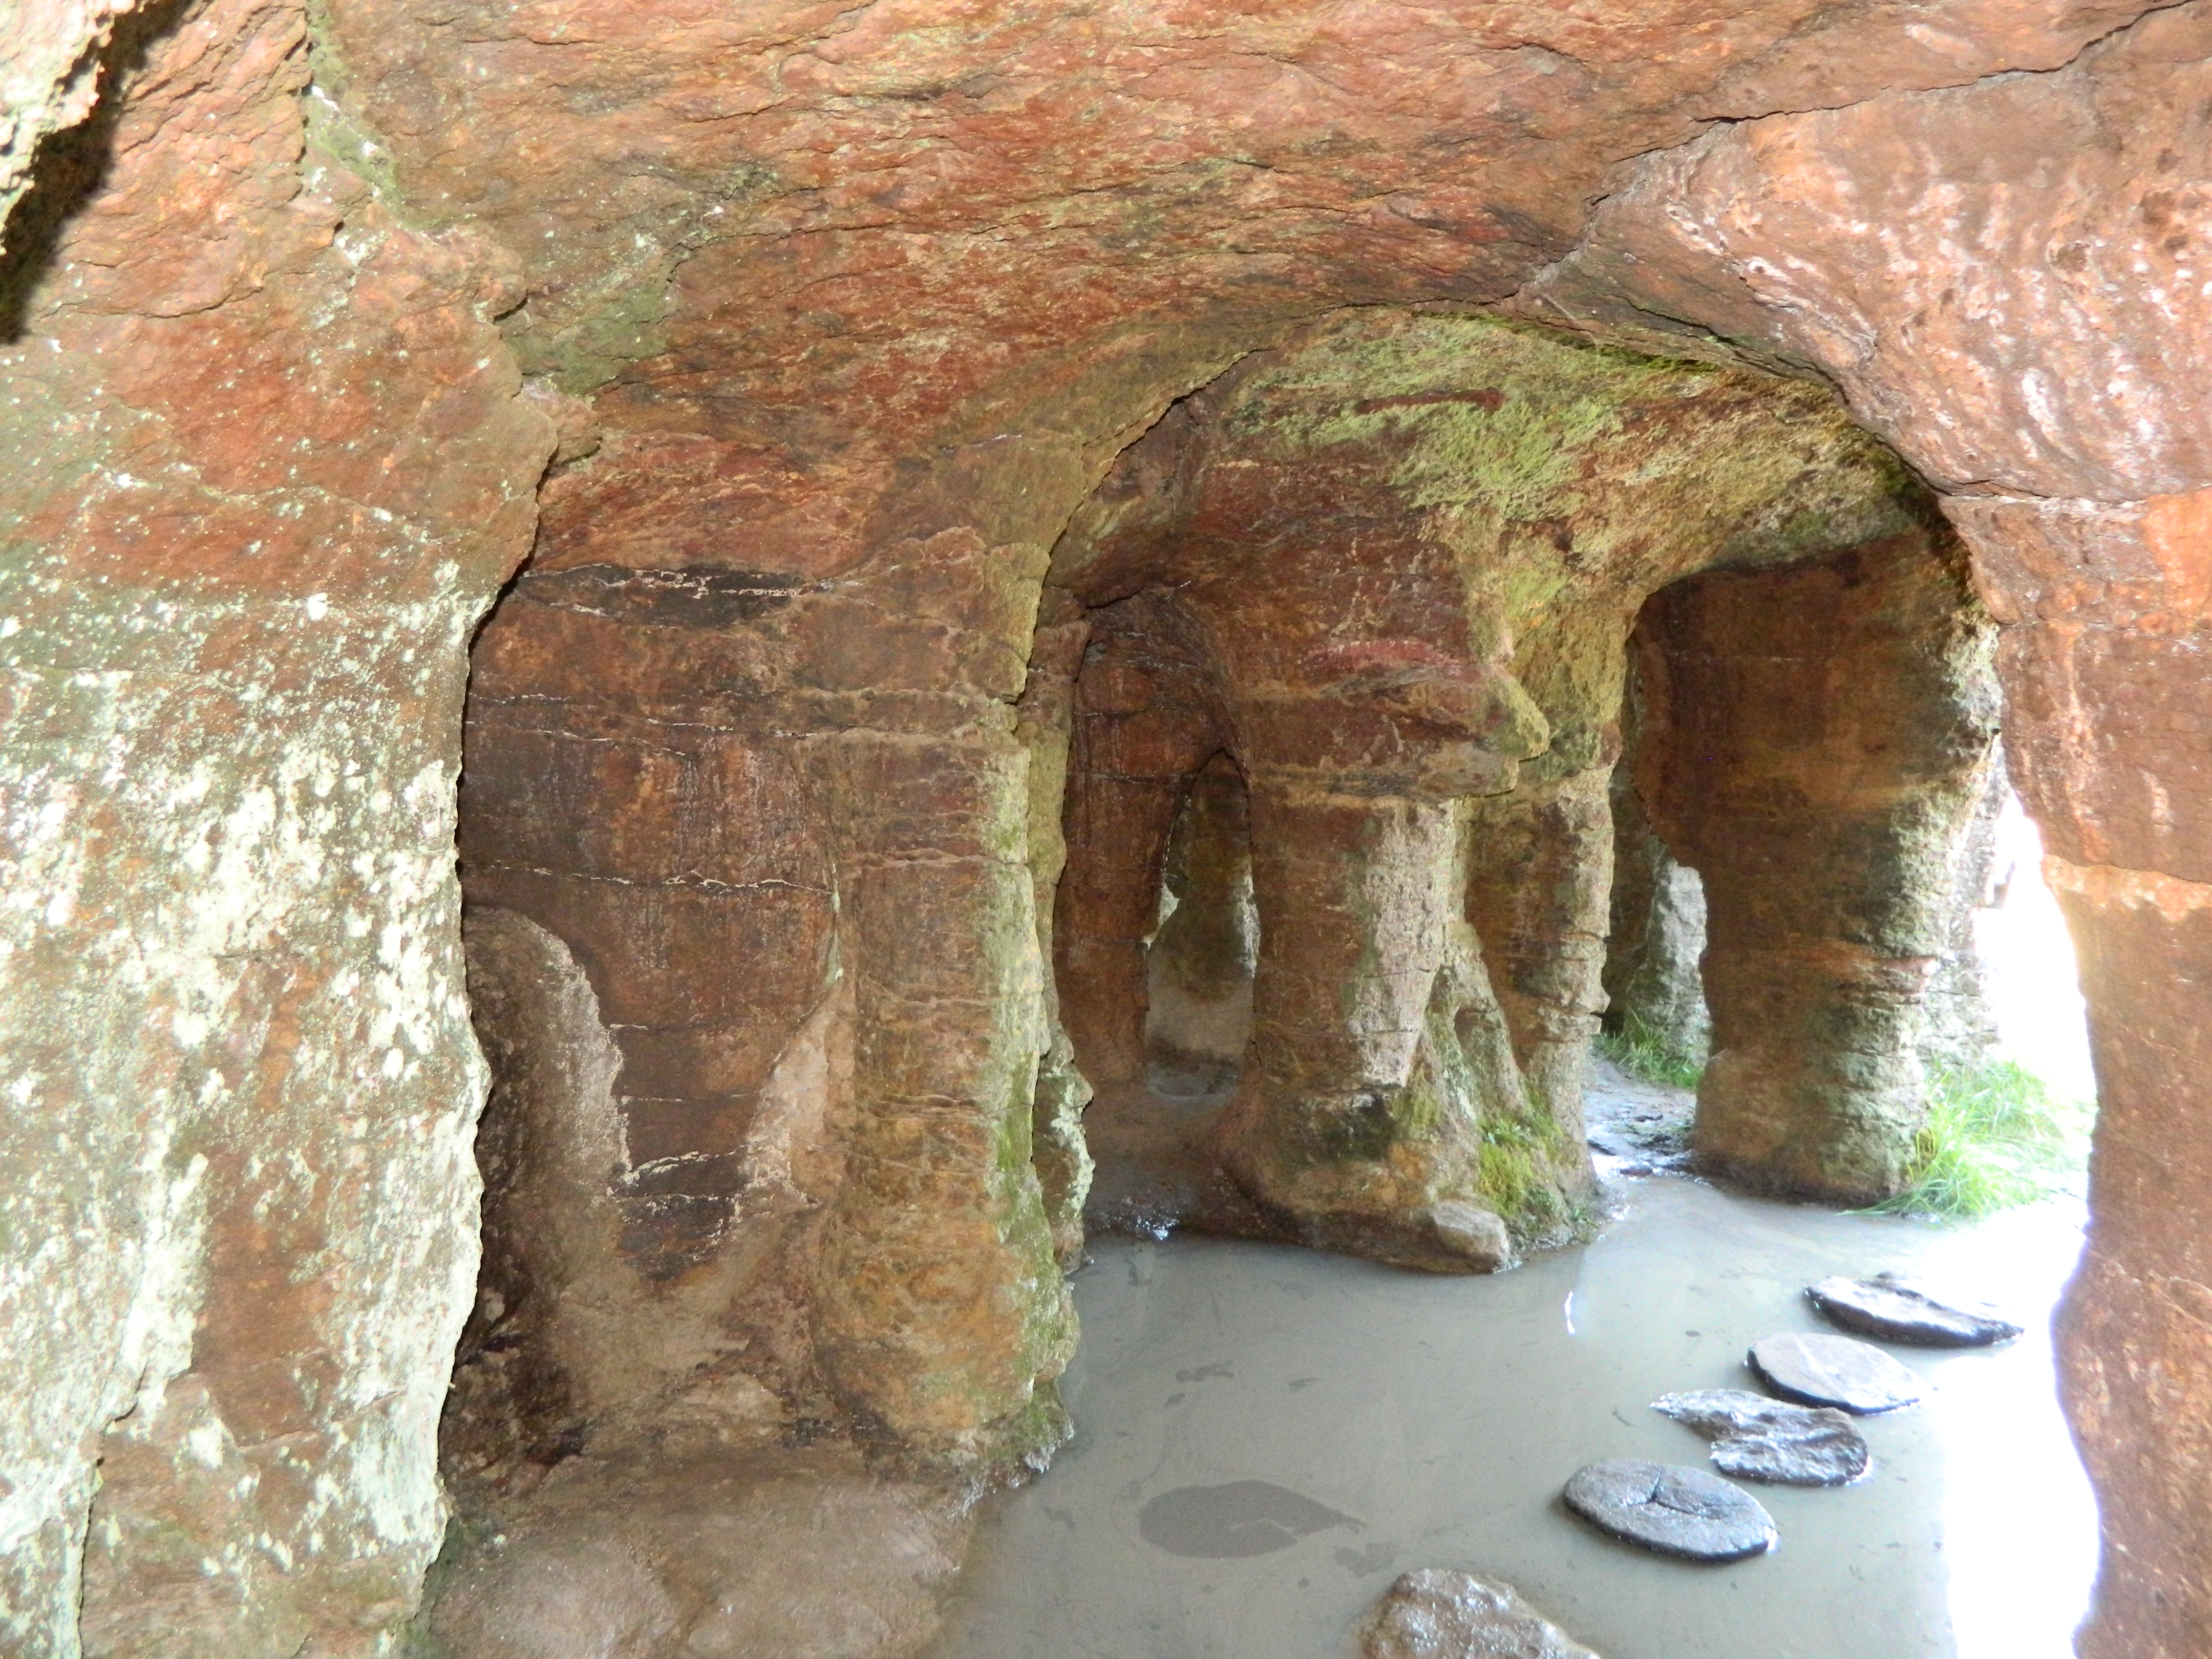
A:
[270,469]
[839,230]
[1814,741]
[840,315]
[744,799]
[1390,569]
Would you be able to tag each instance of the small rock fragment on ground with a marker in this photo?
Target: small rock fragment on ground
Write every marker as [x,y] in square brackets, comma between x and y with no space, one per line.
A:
[1476,1235]
[1816,1370]
[1755,1439]
[1675,1512]
[1435,1614]
[1895,1308]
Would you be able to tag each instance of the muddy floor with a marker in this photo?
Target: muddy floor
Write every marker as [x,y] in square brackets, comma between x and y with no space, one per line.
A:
[1269,1436]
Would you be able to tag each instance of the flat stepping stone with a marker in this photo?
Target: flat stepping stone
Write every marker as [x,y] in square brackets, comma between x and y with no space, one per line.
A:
[1816,1370]
[1755,1439]
[1438,1615]
[1897,1310]
[1675,1512]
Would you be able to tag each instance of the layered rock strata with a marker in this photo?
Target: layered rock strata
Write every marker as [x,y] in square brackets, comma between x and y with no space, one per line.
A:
[1389,570]
[865,303]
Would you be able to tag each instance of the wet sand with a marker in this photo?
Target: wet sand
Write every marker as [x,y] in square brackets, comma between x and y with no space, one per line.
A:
[1318,1425]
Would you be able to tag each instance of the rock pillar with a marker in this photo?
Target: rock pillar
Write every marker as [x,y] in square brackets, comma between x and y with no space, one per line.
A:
[1539,863]
[1814,742]
[1199,969]
[1378,1087]
[1355,1117]
[1652,979]
[1146,722]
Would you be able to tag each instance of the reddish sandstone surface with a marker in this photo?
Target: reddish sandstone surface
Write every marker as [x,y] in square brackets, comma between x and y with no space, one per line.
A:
[1390,570]
[833,318]
[280,469]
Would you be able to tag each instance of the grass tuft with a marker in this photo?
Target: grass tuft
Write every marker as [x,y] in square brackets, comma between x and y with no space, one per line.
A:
[1995,1137]
[1643,1052]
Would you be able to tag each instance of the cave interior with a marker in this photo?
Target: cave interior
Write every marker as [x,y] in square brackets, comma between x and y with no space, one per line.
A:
[691,687]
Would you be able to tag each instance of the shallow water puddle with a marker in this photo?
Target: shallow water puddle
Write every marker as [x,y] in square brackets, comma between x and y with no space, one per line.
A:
[1267,1437]
[1245,1518]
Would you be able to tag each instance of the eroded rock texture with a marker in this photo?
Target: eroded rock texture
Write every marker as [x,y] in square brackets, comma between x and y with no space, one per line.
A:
[1437,1614]
[1386,572]
[1814,742]
[712,787]
[1961,1028]
[835,317]
[278,470]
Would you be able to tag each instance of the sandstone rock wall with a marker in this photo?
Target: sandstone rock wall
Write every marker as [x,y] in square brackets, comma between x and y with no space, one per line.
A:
[1814,742]
[277,470]
[712,785]
[1045,728]
[866,302]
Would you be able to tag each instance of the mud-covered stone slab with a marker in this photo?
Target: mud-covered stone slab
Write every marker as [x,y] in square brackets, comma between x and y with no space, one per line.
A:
[1755,1439]
[1816,1370]
[1674,1510]
[1895,1308]
[1437,1614]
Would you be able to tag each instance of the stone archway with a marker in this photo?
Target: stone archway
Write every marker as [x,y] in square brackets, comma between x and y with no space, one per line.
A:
[865,303]
[1411,635]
